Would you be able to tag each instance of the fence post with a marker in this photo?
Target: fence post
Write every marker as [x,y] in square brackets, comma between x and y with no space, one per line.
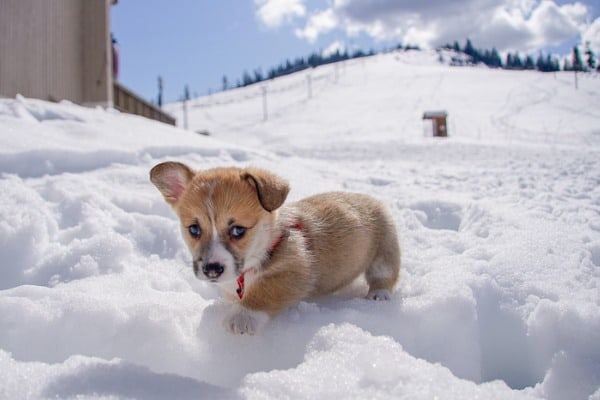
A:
[185,115]
[265,111]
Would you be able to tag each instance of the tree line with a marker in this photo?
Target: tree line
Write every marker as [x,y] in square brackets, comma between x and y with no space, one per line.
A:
[491,58]
[544,63]
[289,67]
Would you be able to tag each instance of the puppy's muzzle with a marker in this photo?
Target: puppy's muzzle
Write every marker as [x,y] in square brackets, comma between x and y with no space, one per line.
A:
[213,270]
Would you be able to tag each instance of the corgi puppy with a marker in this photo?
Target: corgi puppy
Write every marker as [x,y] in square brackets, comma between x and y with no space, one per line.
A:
[267,256]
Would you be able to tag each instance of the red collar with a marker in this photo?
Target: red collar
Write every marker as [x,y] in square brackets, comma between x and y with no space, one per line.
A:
[276,244]
[269,255]
[240,282]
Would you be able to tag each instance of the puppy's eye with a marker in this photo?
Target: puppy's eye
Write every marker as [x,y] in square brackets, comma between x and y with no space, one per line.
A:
[237,232]
[195,231]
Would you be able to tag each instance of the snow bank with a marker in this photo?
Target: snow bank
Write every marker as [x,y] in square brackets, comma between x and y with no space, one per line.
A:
[373,368]
[499,224]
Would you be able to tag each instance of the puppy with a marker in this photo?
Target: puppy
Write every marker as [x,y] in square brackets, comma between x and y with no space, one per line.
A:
[267,256]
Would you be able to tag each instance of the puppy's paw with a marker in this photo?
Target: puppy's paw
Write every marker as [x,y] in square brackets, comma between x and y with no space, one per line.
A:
[379,295]
[241,321]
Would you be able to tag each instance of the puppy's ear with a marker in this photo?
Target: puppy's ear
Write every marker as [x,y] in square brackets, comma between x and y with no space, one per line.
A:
[171,178]
[270,189]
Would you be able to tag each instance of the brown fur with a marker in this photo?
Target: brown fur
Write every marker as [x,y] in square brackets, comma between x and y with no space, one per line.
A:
[343,235]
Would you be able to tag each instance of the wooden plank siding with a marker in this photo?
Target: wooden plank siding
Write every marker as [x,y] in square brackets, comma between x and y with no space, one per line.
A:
[127,101]
[55,50]
[97,52]
[61,50]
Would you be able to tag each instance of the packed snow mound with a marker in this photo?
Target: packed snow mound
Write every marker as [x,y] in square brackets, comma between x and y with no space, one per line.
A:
[499,224]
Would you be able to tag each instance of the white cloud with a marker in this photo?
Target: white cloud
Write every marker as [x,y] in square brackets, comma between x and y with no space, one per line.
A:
[524,6]
[506,27]
[318,24]
[420,36]
[273,13]
[592,36]
[334,47]
[576,11]
[524,25]
[551,24]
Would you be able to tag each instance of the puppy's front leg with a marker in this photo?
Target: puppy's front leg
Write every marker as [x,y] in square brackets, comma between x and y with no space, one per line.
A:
[265,297]
[243,321]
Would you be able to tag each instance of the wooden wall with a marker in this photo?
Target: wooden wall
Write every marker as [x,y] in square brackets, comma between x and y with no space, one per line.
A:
[56,49]
[127,101]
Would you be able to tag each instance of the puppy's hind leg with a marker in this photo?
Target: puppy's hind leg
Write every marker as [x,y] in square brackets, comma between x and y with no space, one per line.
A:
[383,273]
[381,278]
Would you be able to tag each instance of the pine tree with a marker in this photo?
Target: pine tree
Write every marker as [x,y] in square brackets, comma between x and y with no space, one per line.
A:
[246,79]
[547,63]
[509,61]
[357,54]
[472,52]
[541,64]
[576,59]
[495,59]
[590,56]
[314,60]
[554,63]
[225,83]
[258,76]
[517,62]
[529,64]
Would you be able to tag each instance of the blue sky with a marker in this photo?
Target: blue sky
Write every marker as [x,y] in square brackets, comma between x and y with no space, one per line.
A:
[197,42]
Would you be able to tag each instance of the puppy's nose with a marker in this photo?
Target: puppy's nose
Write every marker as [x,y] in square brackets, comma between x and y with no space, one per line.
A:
[213,270]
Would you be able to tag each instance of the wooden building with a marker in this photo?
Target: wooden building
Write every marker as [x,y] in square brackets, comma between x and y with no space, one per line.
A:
[438,118]
[62,50]
[56,49]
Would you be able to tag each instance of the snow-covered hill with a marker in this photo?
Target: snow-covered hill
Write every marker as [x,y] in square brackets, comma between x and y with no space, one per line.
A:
[499,223]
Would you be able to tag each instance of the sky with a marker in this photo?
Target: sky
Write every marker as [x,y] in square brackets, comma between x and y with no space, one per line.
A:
[199,42]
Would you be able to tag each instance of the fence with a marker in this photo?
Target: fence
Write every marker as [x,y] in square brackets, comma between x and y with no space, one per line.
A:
[126,101]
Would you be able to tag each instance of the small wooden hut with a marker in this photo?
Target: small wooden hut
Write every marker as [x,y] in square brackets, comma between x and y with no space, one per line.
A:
[438,119]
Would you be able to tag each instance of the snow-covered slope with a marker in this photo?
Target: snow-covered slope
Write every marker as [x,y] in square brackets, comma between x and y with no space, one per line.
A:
[499,223]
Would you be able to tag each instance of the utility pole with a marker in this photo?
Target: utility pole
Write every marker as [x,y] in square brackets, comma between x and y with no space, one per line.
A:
[160,87]
[186,97]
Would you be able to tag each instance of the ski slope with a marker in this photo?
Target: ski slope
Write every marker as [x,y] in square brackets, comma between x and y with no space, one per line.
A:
[499,296]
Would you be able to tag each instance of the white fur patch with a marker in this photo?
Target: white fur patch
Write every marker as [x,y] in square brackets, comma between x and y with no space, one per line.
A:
[242,321]
[380,271]
[217,253]
[379,295]
[258,247]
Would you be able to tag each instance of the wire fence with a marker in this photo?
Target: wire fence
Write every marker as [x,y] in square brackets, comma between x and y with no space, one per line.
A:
[275,95]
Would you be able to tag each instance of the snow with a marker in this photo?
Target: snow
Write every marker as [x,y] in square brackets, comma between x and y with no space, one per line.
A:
[499,223]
